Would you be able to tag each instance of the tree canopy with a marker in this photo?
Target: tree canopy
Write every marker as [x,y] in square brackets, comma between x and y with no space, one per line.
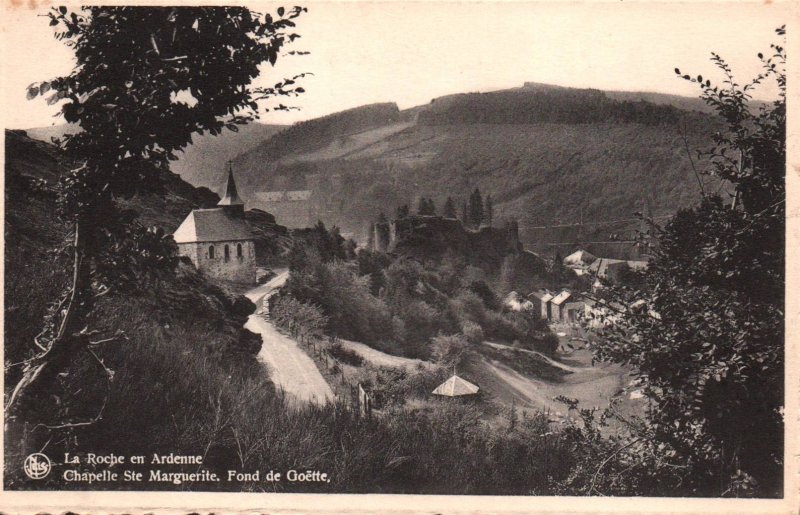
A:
[704,326]
[146,79]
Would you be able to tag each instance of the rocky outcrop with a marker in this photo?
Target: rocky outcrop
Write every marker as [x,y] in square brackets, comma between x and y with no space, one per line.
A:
[433,237]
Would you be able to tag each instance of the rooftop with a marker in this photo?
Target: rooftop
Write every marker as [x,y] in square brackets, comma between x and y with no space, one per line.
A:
[209,225]
[455,387]
[231,197]
[561,298]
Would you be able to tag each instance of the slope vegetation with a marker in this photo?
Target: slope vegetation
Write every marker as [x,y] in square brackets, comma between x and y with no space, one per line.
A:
[186,382]
[547,156]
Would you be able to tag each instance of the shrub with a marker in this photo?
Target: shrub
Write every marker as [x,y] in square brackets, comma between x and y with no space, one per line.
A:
[546,345]
[345,355]
[467,306]
[486,294]
[472,332]
[301,319]
[449,351]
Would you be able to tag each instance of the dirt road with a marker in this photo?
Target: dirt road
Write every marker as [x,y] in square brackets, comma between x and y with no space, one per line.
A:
[290,369]
[273,284]
[381,359]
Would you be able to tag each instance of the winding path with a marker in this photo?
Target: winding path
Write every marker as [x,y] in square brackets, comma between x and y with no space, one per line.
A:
[290,369]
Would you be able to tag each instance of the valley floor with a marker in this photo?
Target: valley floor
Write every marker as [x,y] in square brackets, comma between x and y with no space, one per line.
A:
[495,367]
[593,385]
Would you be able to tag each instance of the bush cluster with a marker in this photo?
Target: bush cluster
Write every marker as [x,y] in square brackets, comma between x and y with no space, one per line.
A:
[399,305]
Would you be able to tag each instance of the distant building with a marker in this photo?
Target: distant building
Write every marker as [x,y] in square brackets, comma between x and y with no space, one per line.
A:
[574,310]
[218,240]
[580,257]
[541,303]
[579,261]
[292,209]
[612,269]
[558,304]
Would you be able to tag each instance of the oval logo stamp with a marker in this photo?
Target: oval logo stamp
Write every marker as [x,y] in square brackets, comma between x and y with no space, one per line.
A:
[37,465]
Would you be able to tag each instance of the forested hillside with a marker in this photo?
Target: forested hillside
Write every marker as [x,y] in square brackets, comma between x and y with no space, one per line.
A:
[546,155]
[180,376]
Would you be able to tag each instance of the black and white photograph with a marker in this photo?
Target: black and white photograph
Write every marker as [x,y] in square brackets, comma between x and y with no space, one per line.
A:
[511,250]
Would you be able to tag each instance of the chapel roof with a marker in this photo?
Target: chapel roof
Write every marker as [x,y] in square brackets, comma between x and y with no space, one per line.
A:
[211,225]
[231,197]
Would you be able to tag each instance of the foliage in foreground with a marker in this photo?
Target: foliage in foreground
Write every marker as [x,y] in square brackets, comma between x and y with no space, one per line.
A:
[169,395]
[708,340]
[145,81]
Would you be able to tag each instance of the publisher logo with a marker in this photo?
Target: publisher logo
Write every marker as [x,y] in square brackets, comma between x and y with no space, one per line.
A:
[37,465]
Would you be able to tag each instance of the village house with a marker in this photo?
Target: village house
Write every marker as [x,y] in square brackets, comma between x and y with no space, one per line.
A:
[579,261]
[292,208]
[610,269]
[541,303]
[218,240]
[574,310]
[558,304]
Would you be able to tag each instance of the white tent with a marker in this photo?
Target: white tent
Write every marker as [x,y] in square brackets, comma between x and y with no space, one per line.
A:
[455,387]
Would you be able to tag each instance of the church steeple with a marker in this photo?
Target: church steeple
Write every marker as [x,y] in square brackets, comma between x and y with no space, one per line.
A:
[231,201]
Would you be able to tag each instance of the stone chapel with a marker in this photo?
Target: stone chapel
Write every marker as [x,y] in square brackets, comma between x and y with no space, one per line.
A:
[218,240]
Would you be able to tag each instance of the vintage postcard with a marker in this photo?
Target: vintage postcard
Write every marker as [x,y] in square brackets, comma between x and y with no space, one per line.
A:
[400,256]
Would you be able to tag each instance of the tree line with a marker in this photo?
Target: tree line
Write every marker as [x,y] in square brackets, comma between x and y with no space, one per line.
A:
[476,211]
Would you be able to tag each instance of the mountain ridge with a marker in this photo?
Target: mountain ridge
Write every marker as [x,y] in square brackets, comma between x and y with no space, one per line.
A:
[547,154]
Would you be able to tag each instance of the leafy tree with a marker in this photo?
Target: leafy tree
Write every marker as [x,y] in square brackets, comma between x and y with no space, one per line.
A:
[145,81]
[426,206]
[475,213]
[449,210]
[449,351]
[403,211]
[558,272]
[706,336]
[373,264]
[488,210]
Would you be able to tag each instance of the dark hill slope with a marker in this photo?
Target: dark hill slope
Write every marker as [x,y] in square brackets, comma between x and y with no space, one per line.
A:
[546,155]
[683,103]
[182,331]
[34,274]
[543,105]
[319,132]
[203,162]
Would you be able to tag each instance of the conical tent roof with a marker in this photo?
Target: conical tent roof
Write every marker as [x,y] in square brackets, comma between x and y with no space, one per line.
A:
[455,386]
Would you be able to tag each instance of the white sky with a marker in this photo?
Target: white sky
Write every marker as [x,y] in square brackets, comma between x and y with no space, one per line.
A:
[409,53]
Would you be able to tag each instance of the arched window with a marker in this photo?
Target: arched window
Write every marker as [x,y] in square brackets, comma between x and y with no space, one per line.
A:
[238,250]
[211,252]
[227,252]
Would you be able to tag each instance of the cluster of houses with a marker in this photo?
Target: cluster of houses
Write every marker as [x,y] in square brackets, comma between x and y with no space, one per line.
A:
[583,263]
[555,306]
[567,306]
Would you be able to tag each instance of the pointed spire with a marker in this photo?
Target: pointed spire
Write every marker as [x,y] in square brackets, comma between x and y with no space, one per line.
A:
[231,197]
